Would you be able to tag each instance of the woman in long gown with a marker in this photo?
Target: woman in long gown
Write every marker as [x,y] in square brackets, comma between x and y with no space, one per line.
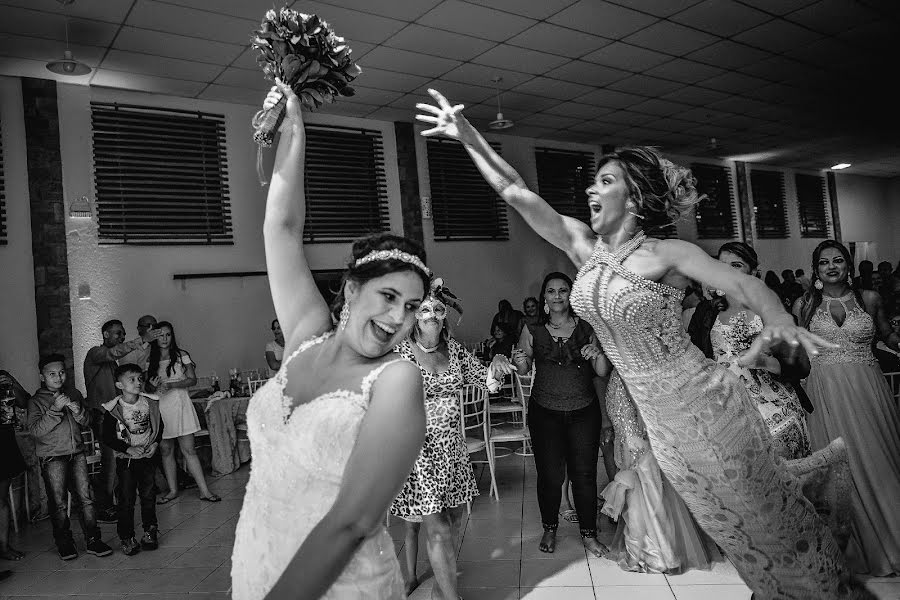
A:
[706,434]
[335,433]
[442,480]
[853,400]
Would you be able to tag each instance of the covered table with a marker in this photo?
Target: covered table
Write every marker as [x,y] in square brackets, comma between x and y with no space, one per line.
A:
[221,417]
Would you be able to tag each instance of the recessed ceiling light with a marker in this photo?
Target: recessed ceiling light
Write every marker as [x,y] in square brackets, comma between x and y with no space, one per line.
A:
[840,166]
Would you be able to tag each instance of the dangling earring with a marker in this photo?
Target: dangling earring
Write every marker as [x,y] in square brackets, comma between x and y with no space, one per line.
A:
[546,309]
[345,316]
[631,207]
[818,284]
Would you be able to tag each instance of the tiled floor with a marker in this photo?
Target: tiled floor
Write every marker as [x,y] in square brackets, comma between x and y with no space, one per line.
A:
[498,556]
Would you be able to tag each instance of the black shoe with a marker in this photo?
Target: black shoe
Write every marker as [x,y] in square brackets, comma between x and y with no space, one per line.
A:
[108,516]
[97,547]
[67,550]
[150,541]
[130,547]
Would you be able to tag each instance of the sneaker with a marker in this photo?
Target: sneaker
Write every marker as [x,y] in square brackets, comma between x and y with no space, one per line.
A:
[150,541]
[130,547]
[107,516]
[67,550]
[97,547]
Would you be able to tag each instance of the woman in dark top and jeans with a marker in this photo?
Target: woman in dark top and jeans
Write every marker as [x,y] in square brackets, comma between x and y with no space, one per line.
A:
[563,412]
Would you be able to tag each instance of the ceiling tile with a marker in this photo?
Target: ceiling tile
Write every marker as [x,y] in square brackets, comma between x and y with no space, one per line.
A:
[776,68]
[728,55]
[545,37]
[133,62]
[553,88]
[52,26]
[641,135]
[234,95]
[427,40]
[479,21]
[387,113]
[877,35]
[657,8]
[702,115]
[551,121]
[529,131]
[408,62]
[829,53]
[46,50]
[625,56]
[611,99]
[409,101]
[243,78]
[660,108]
[777,36]
[372,96]
[571,136]
[245,9]
[626,117]
[457,93]
[645,85]
[671,124]
[599,128]
[403,11]
[525,102]
[833,16]
[685,71]
[587,73]
[723,18]
[739,105]
[579,110]
[348,109]
[146,83]
[776,93]
[170,18]
[540,9]
[602,18]
[97,10]
[488,112]
[737,122]
[176,46]
[671,38]
[504,56]
[695,95]
[352,24]
[390,80]
[482,75]
[733,82]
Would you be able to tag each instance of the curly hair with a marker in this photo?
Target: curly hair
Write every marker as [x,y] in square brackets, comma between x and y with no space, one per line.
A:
[372,270]
[662,190]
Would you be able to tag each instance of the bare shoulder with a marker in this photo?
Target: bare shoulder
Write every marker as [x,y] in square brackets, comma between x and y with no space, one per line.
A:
[397,371]
[871,299]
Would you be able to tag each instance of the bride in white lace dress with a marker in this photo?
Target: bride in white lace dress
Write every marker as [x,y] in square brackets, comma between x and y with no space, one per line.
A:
[336,432]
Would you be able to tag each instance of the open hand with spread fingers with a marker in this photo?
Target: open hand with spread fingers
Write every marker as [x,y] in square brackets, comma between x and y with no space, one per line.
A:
[445,119]
[793,336]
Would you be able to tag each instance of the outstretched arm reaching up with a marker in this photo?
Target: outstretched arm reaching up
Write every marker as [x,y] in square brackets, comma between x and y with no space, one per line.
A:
[301,310]
[569,235]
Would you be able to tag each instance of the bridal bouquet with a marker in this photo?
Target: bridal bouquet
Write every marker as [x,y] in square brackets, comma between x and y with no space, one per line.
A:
[302,52]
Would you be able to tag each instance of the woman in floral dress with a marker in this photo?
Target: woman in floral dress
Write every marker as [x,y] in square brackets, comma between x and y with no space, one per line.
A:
[442,480]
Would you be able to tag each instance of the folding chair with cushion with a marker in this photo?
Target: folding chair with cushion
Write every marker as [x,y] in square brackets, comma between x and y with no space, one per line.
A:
[473,425]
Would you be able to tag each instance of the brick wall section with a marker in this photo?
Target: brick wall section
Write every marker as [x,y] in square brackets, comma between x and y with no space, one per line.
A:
[409,181]
[48,226]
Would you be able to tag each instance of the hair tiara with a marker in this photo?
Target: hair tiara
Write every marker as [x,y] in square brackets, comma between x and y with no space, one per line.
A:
[394,255]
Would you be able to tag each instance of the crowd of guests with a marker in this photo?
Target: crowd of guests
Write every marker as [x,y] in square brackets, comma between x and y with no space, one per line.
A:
[137,407]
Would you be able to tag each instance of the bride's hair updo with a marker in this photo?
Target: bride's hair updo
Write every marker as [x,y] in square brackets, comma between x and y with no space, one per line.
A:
[662,190]
[377,268]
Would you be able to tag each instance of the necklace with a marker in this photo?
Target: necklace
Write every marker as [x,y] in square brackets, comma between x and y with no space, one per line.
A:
[554,326]
[428,350]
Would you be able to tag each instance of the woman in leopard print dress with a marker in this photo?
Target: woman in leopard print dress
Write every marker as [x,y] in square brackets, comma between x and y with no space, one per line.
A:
[442,480]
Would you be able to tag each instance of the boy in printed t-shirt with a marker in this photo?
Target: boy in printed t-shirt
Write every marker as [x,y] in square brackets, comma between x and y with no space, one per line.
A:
[133,428]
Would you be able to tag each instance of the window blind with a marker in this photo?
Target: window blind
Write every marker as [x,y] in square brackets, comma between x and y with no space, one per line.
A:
[161,175]
[563,177]
[346,189]
[3,238]
[811,204]
[715,215]
[464,206]
[769,204]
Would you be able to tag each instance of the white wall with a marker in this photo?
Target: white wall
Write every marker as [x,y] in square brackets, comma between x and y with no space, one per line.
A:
[870,212]
[18,320]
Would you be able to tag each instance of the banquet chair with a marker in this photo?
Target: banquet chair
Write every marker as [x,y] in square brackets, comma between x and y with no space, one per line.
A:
[516,431]
[13,516]
[473,425]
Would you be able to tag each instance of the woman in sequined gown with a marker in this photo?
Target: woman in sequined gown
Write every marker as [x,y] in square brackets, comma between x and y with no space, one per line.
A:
[335,433]
[708,437]
[853,400]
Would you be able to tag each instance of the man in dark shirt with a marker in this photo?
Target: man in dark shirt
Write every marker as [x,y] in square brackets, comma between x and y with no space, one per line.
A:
[99,369]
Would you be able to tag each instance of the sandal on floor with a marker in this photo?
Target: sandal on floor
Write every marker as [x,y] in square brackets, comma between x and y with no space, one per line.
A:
[212,498]
[569,515]
[165,499]
[549,546]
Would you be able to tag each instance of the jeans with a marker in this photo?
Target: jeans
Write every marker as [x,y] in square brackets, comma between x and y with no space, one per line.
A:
[136,478]
[566,441]
[68,474]
[104,484]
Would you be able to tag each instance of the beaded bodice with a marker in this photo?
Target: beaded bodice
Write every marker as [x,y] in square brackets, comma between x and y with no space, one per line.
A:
[638,321]
[854,336]
[299,456]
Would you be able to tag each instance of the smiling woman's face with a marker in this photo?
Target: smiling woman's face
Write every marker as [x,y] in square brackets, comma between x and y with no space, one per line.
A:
[832,266]
[607,198]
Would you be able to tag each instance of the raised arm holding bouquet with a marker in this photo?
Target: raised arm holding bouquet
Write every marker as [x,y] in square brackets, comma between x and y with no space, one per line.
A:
[302,52]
